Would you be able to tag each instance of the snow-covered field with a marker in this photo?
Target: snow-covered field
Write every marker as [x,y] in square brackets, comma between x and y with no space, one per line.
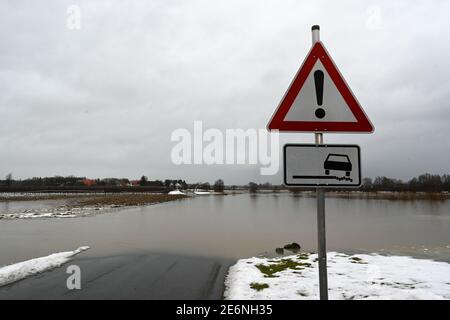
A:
[21,270]
[56,212]
[67,210]
[360,276]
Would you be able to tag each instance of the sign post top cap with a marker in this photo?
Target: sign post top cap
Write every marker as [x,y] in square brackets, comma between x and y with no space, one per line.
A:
[315,27]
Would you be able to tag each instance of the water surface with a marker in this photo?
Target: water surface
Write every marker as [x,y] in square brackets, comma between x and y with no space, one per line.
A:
[237,226]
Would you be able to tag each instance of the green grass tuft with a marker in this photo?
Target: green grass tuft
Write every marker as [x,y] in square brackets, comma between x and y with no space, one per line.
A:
[357,260]
[258,286]
[303,256]
[270,270]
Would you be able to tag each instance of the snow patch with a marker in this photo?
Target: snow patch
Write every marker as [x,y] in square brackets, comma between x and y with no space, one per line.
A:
[58,212]
[362,276]
[21,270]
[176,192]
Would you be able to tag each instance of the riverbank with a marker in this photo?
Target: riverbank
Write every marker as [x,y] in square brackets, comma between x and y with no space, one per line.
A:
[125,198]
[138,198]
[377,195]
[76,205]
[391,195]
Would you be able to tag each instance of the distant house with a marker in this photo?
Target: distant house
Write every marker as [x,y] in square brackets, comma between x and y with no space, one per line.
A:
[135,183]
[88,182]
[125,183]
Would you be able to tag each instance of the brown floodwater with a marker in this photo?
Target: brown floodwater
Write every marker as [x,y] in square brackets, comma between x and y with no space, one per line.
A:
[235,226]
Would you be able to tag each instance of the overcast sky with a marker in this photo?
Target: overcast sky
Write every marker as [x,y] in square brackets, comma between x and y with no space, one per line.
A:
[103,100]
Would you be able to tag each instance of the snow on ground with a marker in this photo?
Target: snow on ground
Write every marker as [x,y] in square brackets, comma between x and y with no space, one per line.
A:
[176,192]
[63,211]
[57,212]
[361,276]
[21,270]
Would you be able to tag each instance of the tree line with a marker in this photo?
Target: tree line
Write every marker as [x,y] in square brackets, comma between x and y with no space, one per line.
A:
[422,183]
[218,186]
[83,183]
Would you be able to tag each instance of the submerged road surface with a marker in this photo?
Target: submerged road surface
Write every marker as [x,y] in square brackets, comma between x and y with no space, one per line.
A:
[152,252]
[130,276]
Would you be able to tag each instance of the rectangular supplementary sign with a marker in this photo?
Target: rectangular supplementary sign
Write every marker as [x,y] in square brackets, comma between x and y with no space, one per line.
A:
[327,165]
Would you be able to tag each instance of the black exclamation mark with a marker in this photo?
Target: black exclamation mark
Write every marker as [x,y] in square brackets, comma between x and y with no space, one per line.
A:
[318,81]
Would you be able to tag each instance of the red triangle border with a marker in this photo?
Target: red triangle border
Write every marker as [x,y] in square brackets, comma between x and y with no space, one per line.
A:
[277,122]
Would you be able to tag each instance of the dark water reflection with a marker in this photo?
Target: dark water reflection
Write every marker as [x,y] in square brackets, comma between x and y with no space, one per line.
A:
[238,226]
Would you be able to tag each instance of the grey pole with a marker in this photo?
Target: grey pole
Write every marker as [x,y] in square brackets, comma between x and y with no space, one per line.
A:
[320,194]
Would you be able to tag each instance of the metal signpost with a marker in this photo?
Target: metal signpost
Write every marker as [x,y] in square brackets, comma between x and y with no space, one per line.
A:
[321,235]
[319,100]
[320,195]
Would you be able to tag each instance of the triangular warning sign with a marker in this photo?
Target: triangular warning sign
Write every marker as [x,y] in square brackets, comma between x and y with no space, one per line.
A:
[319,100]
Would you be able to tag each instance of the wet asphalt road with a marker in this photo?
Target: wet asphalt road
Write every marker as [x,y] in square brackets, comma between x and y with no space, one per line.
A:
[130,276]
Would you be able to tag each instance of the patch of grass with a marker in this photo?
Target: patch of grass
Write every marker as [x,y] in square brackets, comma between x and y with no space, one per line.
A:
[258,286]
[382,283]
[281,265]
[303,256]
[305,264]
[303,294]
[128,199]
[404,285]
[399,285]
[357,260]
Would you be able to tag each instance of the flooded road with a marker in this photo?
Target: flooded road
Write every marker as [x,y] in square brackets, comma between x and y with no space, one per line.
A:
[182,249]
[237,226]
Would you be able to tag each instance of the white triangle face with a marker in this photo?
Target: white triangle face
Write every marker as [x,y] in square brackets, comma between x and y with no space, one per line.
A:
[305,104]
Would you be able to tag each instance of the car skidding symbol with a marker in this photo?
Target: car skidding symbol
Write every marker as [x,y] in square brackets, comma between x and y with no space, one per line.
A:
[333,162]
[337,162]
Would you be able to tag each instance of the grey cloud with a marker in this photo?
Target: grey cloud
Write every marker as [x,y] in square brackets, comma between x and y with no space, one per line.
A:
[103,100]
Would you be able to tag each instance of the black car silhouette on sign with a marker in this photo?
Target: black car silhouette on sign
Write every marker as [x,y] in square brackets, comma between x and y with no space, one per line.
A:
[337,162]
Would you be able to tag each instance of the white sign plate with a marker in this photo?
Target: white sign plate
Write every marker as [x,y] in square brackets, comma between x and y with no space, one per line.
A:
[332,165]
